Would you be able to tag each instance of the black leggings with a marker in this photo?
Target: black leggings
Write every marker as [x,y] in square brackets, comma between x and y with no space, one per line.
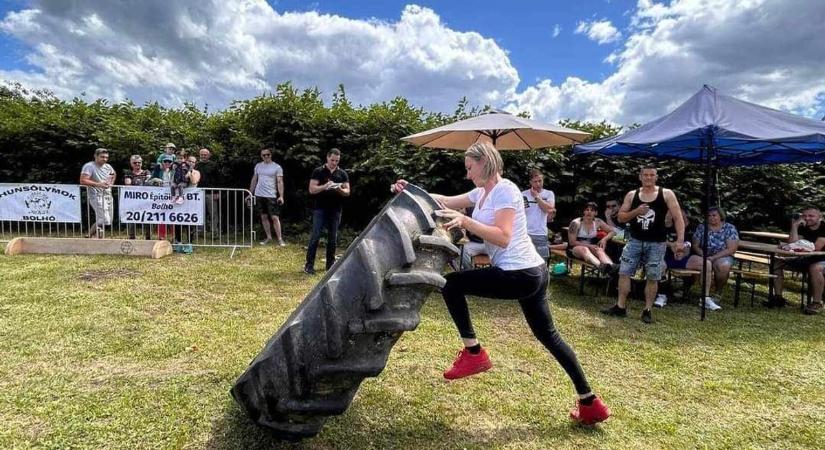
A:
[529,286]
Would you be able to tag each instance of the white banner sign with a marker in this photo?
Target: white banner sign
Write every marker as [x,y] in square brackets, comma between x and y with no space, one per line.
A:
[40,202]
[147,204]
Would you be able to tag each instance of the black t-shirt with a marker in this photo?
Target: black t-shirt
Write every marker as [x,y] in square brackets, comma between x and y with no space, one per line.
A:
[811,235]
[209,174]
[328,199]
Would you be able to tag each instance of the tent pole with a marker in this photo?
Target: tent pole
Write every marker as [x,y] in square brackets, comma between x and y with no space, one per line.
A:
[705,207]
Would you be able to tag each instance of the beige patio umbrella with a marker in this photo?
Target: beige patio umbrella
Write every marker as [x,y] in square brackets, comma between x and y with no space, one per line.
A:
[504,130]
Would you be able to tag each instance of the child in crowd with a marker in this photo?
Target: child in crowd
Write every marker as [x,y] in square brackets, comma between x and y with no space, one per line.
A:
[182,171]
[168,151]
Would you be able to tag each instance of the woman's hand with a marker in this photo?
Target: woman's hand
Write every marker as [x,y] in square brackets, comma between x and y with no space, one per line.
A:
[398,186]
[603,243]
[454,218]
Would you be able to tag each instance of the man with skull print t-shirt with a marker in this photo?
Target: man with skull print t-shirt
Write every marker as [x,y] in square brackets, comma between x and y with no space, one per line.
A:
[645,208]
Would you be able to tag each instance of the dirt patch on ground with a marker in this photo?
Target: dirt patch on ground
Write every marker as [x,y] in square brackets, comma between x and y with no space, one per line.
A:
[100,275]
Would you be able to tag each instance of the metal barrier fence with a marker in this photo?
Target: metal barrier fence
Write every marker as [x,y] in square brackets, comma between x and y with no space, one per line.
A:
[228,222]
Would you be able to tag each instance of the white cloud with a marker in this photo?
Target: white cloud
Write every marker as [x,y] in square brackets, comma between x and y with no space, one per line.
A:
[601,31]
[556,31]
[758,50]
[214,51]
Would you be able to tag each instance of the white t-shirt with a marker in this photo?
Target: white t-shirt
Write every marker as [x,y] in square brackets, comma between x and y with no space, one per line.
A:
[98,173]
[267,177]
[536,218]
[520,252]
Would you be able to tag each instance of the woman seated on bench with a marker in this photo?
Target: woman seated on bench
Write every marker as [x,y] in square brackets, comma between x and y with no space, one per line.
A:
[681,260]
[723,240]
[588,236]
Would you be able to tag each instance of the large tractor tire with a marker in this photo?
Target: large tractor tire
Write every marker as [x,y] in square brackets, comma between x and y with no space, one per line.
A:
[346,326]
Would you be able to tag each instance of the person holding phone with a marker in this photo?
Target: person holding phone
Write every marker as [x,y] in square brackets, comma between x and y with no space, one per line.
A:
[807,225]
[328,186]
[540,208]
[516,272]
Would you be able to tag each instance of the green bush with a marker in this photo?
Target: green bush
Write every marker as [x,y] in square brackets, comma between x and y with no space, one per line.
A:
[44,139]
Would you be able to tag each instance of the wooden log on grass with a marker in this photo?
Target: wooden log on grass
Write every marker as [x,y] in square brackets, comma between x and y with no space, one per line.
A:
[81,246]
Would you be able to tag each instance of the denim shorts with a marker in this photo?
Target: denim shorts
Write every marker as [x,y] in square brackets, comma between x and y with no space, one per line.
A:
[542,245]
[726,260]
[651,254]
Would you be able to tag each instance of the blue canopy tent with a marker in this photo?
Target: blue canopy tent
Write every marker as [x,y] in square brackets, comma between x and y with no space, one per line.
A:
[717,130]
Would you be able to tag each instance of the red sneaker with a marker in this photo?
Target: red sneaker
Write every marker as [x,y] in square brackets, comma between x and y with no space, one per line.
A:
[467,364]
[590,414]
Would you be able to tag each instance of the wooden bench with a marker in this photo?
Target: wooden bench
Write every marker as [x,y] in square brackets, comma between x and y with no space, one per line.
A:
[751,276]
[481,260]
[752,258]
[587,269]
[684,275]
[747,273]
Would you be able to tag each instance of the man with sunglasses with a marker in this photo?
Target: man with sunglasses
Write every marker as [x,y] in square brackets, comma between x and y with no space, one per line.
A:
[136,175]
[267,186]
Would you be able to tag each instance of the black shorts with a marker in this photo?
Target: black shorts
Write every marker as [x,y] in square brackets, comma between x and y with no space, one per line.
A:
[802,263]
[268,206]
[673,263]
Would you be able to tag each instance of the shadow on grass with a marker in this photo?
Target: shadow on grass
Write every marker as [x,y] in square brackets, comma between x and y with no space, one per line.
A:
[358,429]
[679,322]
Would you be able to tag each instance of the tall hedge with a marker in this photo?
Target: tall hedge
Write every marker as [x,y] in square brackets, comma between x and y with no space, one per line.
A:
[44,139]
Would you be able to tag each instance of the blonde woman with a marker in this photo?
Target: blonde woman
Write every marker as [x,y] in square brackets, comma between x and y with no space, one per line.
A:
[517,272]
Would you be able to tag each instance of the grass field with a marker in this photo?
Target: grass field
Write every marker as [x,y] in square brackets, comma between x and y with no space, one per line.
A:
[107,352]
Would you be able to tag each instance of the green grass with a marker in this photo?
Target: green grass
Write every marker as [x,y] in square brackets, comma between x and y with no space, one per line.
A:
[110,352]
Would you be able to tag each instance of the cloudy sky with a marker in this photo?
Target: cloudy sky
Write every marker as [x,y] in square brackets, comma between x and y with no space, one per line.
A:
[619,60]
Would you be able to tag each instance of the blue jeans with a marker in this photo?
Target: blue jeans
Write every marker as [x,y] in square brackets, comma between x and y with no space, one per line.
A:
[651,254]
[323,218]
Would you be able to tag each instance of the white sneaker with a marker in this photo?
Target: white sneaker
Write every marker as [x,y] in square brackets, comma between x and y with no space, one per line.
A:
[661,301]
[266,241]
[282,243]
[711,304]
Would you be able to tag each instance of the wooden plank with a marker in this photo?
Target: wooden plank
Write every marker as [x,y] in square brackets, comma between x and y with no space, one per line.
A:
[774,249]
[561,253]
[681,273]
[753,274]
[766,234]
[82,246]
[747,257]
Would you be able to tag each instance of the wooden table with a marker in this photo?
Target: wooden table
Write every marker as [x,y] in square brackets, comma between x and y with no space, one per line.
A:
[766,235]
[772,251]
